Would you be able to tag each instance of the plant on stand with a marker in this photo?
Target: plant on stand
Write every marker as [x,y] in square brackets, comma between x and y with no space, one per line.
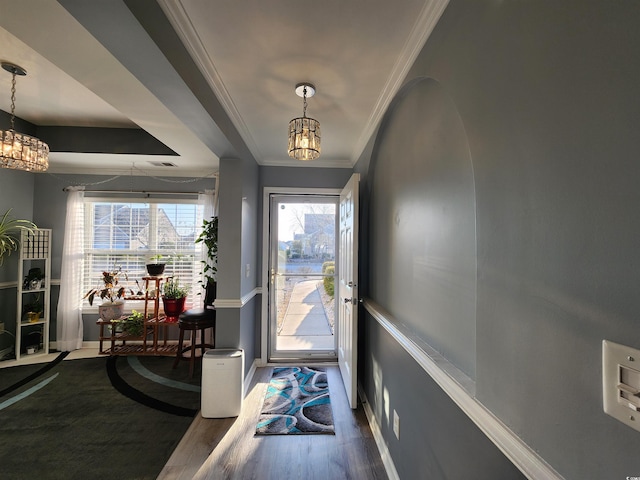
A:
[155,265]
[133,324]
[173,298]
[209,237]
[111,293]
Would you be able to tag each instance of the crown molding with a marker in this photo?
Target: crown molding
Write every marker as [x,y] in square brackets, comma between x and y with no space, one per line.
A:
[424,25]
[317,163]
[177,16]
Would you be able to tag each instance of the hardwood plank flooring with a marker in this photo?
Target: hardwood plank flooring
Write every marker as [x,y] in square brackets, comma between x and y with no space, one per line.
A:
[215,449]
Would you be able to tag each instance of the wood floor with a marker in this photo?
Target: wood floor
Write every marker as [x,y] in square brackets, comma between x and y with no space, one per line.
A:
[228,448]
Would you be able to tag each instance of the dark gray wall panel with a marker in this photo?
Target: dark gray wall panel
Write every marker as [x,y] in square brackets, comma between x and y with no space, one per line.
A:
[422,221]
[546,91]
[304,177]
[16,193]
[437,440]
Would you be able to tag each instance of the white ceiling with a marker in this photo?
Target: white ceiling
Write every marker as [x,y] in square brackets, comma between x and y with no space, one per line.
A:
[223,86]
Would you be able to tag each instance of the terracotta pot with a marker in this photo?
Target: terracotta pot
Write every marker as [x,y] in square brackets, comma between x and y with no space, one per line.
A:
[173,307]
[111,311]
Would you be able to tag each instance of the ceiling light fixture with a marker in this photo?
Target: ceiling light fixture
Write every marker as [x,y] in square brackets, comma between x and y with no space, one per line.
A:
[304,132]
[17,150]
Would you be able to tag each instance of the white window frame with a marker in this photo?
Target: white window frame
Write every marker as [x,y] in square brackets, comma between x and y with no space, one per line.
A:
[193,300]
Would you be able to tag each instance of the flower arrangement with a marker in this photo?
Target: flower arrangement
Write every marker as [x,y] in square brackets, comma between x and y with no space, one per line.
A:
[111,291]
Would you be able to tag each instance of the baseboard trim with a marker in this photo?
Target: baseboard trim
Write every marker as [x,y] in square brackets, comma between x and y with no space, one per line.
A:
[249,376]
[387,461]
[513,447]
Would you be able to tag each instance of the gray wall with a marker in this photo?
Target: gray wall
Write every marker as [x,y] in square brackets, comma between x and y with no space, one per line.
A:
[238,237]
[546,97]
[296,178]
[16,194]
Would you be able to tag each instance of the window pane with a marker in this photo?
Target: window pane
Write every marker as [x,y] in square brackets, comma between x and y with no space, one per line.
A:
[126,234]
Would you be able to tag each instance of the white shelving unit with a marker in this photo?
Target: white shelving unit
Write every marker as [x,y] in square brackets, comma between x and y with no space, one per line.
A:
[35,252]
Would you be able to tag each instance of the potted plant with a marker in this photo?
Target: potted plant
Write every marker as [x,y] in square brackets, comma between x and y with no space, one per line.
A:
[173,298]
[209,237]
[133,324]
[111,293]
[10,231]
[155,266]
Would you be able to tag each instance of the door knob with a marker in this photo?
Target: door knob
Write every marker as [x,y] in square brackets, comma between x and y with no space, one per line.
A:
[347,300]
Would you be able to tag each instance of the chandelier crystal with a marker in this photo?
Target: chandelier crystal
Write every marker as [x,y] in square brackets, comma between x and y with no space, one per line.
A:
[304,132]
[17,150]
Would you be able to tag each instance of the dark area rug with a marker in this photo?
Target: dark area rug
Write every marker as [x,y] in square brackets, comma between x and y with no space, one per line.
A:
[297,402]
[107,417]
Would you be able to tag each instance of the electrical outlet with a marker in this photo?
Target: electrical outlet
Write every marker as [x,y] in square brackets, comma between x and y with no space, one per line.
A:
[396,424]
[247,270]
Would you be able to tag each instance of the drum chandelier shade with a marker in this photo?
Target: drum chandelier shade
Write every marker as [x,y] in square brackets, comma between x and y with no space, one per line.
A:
[304,132]
[17,150]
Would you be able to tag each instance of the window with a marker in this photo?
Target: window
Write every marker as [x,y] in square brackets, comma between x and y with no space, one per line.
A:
[126,234]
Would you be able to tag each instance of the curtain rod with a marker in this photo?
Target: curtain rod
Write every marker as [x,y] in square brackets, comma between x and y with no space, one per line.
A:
[141,192]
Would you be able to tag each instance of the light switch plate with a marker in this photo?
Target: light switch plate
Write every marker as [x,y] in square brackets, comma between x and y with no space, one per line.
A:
[621,383]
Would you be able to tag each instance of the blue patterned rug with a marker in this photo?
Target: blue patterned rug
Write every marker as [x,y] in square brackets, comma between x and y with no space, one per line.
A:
[297,403]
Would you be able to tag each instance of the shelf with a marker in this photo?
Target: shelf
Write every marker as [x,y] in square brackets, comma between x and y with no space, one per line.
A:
[35,290]
[168,350]
[39,353]
[35,253]
[41,321]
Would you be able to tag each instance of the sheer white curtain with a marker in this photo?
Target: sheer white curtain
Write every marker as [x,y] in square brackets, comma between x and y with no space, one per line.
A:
[69,326]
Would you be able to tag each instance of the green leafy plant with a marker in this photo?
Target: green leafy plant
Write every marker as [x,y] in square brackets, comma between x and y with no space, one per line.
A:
[111,289]
[10,231]
[133,324]
[173,290]
[329,284]
[209,236]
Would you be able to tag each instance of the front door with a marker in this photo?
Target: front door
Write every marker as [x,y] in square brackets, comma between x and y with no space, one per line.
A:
[302,277]
[348,289]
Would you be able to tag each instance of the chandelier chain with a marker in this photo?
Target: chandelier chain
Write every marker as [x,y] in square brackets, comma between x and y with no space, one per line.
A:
[13,100]
[304,96]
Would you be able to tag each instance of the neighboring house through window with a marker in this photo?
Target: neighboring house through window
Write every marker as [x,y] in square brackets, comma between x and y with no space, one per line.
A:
[127,233]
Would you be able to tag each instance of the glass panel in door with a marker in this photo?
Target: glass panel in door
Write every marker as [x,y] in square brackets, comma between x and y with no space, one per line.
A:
[302,277]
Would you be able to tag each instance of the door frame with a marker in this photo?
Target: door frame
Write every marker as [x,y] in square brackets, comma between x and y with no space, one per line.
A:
[267,192]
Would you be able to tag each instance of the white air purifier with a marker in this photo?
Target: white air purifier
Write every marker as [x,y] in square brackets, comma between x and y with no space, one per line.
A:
[222,383]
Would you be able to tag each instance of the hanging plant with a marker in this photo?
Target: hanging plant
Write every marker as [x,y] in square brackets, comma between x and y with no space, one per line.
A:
[10,231]
[209,236]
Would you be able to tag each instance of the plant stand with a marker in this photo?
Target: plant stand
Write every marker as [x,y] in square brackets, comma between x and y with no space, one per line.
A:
[155,324]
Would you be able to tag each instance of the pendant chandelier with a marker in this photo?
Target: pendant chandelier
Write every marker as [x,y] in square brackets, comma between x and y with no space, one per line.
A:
[17,150]
[304,132]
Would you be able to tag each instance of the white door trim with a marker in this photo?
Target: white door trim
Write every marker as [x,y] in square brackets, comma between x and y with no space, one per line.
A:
[264,331]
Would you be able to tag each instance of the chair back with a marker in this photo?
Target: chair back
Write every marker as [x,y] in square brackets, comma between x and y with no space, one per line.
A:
[210,293]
